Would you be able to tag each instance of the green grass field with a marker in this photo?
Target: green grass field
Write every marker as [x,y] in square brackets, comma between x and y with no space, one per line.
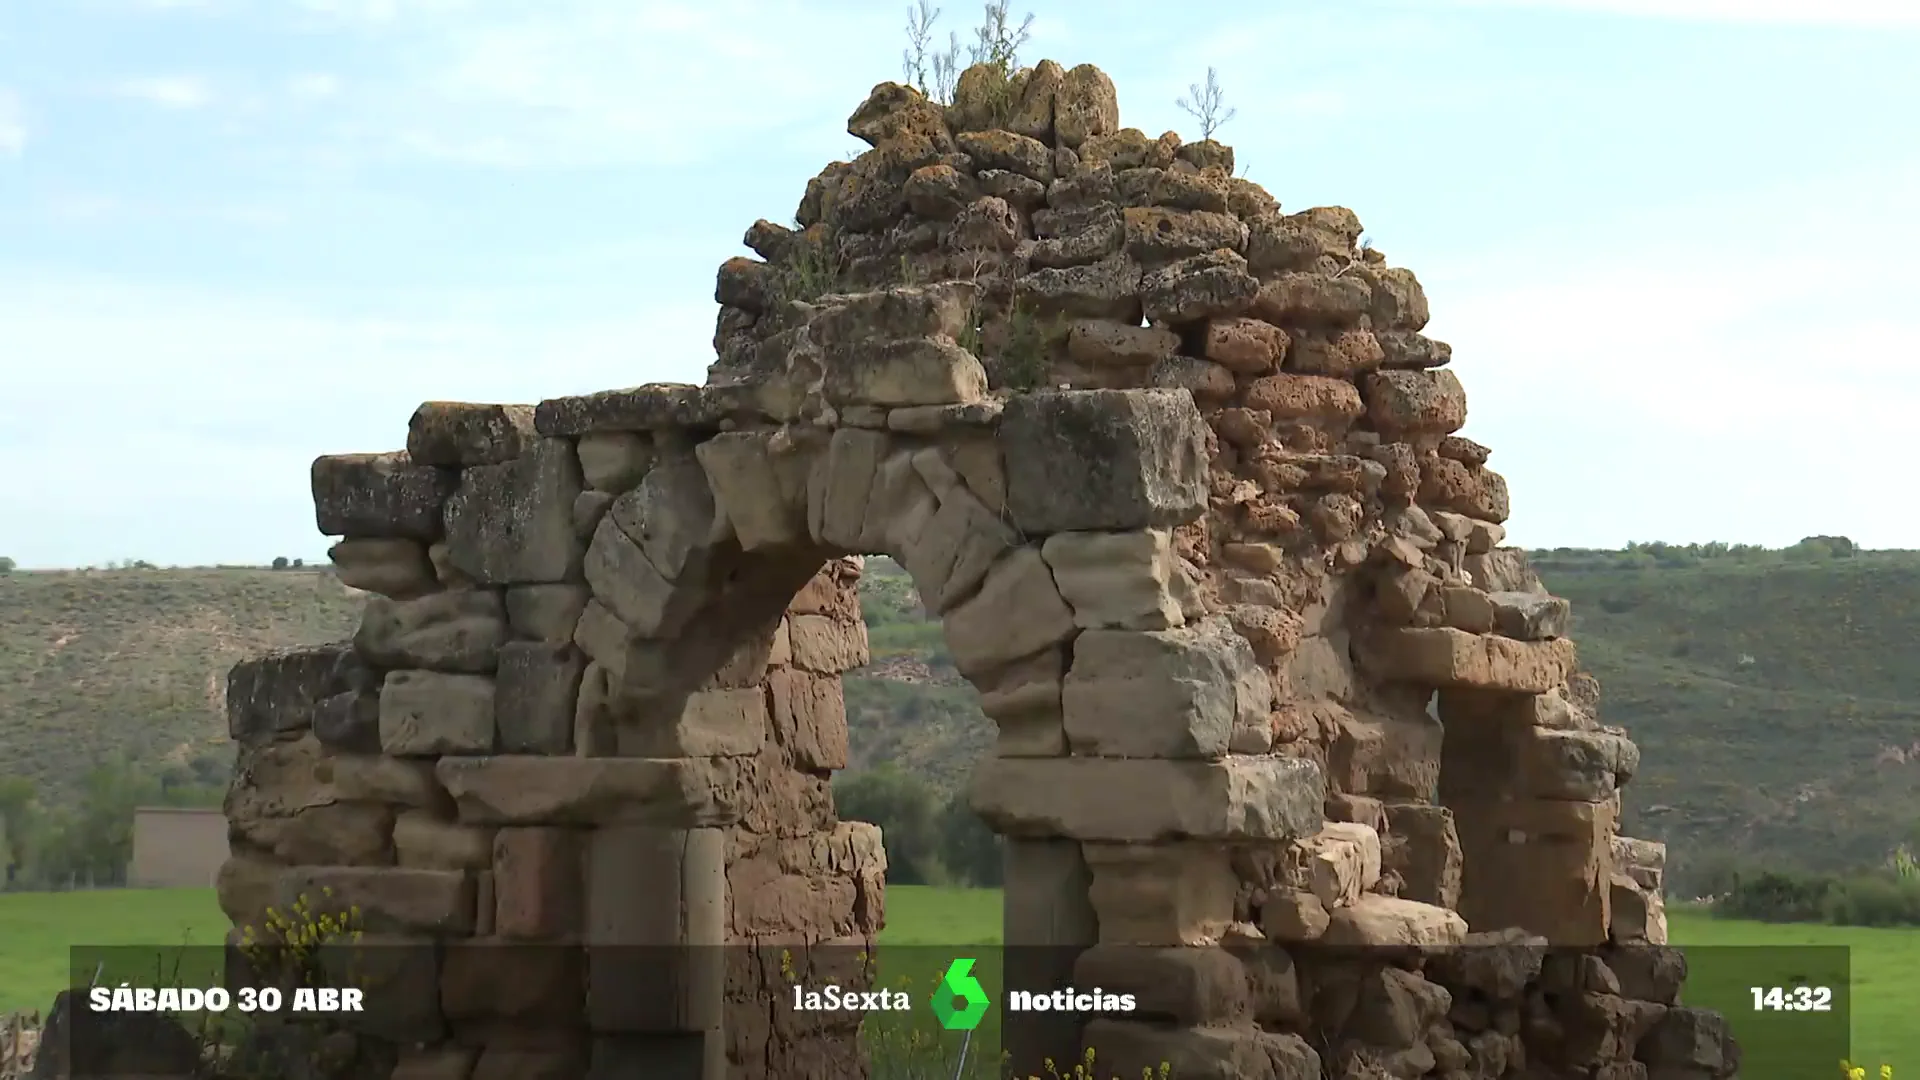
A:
[37,930]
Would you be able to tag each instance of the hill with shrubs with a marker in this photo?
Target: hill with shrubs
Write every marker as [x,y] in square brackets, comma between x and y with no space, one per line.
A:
[1771,691]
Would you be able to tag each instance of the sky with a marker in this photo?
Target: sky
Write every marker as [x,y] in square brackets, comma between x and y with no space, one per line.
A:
[1671,241]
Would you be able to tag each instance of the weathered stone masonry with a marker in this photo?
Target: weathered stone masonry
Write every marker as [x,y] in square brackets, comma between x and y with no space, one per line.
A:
[1179,474]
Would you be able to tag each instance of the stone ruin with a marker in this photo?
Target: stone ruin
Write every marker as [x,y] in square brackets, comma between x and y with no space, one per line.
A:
[1289,745]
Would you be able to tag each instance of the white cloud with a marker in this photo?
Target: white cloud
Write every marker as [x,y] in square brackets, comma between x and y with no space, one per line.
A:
[13,126]
[167,91]
[1853,13]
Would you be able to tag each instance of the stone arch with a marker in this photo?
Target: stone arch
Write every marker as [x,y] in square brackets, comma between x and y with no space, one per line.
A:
[1208,552]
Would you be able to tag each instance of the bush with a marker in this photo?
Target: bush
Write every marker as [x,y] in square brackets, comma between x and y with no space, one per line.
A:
[1857,899]
[929,840]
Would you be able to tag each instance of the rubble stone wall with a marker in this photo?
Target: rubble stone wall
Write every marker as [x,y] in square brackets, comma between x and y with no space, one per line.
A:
[1280,720]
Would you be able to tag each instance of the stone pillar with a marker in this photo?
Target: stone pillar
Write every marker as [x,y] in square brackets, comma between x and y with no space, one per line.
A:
[1047,920]
[1533,783]
[656,904]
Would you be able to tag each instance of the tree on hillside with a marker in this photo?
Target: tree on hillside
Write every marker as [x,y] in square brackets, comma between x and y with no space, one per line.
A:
[907,811]
[279,562]
[7,565]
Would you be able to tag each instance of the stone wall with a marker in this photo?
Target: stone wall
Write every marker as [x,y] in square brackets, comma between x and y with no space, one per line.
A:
[1289,745]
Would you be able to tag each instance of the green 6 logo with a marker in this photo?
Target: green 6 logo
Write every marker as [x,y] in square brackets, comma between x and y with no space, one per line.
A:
[959,1001]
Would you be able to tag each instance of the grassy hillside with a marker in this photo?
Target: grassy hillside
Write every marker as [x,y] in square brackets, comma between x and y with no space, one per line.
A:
[1777,706]
[133,662]
[1775,700]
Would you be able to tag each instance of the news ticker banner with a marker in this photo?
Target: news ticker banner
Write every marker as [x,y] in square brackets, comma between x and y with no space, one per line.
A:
[1787,1007]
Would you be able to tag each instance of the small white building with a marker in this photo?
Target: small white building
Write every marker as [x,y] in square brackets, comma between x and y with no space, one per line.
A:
[177,848]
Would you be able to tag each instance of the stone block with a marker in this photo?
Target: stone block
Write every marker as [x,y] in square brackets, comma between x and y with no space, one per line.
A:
[1316,398]
[662,894]
[1016,613]
[1045,902]
[455,632]
[1103,460]
[1644,861]
[390,899]
[902,502]
[1443,657]
[1561,849]
[1108,289]
[439,1063]
[626,583]
[950,555]
[653,407]
[1294,916]
[827,646]
[1479,493]
[1223,1052]
[393,567]
[1404,402]
[398,970]
[1023,699]
[1541,763]
[274,694]
[423,840]
[1100,343]
[1181,985]
[1527,616]
[349,722]
[1199,287]
[840,484]
[1163,694]
[536,690]
[1309,299]
[1375,921]
[540,790]
[1336,864]
[379,496]
[503,982]
[429,713]
[538,883]
[897,312]
[748,492]
[893,374]
[1161,894]
[1120,800]
[246,887]
[545,612]
[594,731]
[614,461]
[458,434]
[540,1055]
[1467,608]
[1635,915]
[712,723]
[1421,848]
[512,523]
[1117,581]
[601,635]
[1387,756]
[381,779]
[671,516]
[809,719]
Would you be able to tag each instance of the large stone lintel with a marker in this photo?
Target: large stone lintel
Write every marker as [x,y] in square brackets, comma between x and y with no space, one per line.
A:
[515,789]
[1444,658]
[1121,800]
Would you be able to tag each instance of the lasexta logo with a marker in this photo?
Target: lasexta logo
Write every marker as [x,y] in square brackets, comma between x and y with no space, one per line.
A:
[959,1001]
